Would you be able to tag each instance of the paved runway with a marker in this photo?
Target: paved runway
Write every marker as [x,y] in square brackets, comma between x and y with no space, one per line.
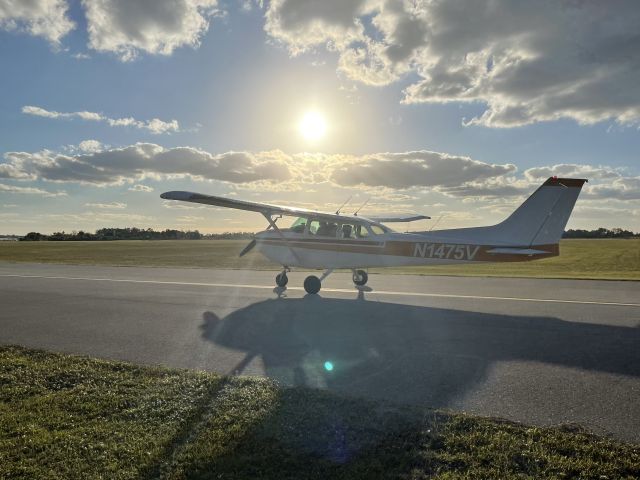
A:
[537,351]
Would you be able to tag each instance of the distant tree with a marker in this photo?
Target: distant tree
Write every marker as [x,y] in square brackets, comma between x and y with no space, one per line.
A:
[133,233]
[601,233]
[34,237]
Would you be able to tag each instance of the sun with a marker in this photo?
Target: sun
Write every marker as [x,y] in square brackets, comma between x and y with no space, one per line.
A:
[312,126]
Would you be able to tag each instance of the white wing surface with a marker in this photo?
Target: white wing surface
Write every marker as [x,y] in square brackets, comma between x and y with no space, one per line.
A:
[264,208]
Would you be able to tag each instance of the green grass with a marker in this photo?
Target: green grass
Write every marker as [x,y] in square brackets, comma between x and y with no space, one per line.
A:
[589,259]
[72,417]
[146,253]
[606,259]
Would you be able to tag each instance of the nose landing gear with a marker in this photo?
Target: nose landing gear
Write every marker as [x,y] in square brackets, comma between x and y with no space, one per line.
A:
[282,279]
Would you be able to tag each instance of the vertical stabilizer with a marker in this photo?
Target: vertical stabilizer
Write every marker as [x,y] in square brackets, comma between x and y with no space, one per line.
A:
[542,218]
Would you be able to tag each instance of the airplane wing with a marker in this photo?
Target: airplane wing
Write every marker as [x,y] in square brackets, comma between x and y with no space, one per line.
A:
[399,218]
[264,208]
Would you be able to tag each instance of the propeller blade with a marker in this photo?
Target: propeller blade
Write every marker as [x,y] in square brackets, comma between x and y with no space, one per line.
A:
[248,248]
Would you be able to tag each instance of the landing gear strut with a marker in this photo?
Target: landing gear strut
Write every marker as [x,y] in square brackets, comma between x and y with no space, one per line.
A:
[360,277]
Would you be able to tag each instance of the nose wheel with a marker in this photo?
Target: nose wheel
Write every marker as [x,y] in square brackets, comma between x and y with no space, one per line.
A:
[360,277]
[282,279]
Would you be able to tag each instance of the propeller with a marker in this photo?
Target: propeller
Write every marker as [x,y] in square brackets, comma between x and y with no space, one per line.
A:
[248,248]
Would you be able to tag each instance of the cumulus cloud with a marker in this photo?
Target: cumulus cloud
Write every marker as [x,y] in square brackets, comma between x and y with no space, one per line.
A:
[97,219]
[127,28]
[412,169]
[13,170]
[526,61]
[182,206]
[90,146]
[573,170]
[155,125]
[4,188]
[42,18]
[141,188]
[107,206]
[189,219]
[142,160]
[623,188]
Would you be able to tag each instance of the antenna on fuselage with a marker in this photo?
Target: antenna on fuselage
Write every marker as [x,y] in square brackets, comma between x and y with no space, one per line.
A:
[343,205]
[437,221]
[361,207]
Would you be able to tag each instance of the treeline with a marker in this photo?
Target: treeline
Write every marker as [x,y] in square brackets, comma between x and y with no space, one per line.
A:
[150,234]
[134,234]
[601,233]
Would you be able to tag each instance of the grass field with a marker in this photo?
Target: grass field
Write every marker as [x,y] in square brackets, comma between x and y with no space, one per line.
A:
[615,259]
[73,417]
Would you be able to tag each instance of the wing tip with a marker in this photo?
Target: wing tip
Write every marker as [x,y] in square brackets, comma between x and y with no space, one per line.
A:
[176,195]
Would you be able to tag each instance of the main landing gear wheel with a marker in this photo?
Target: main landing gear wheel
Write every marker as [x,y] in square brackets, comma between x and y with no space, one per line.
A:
[360,278]
[312,284]
[282,279]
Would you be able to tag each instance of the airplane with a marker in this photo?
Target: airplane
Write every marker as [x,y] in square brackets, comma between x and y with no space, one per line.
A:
[329,241]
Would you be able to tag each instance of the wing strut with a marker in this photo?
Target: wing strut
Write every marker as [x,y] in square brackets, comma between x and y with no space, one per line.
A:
[272,224]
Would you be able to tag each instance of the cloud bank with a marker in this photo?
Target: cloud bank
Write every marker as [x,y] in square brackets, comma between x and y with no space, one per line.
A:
[526,61]
[144,160]
[395,175]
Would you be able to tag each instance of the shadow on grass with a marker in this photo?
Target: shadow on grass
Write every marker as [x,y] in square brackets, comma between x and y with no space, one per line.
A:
[313,434]
[408,354]
[299,433]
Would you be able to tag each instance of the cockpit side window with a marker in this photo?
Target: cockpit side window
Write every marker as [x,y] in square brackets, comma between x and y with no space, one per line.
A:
[347,230]
[323,228]
[361,231]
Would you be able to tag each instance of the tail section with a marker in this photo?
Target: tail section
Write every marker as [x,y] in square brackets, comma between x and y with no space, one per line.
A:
[542,218]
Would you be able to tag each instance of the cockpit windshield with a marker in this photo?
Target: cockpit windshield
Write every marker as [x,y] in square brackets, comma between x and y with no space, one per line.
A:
[299,225]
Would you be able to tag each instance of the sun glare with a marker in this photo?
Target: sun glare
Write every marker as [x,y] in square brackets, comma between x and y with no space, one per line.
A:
[312,126]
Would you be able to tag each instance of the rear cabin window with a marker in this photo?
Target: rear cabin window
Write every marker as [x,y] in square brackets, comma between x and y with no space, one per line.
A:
[347,230]
[377,230]
[323,228]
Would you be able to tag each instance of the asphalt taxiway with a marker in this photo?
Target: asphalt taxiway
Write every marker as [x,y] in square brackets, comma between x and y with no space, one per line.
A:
[537,351]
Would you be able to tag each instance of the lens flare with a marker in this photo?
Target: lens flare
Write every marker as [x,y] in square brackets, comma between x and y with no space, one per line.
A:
[328,366]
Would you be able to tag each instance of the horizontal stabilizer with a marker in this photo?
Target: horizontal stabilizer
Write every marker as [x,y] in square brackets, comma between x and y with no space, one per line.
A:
[399,218]
[516,251]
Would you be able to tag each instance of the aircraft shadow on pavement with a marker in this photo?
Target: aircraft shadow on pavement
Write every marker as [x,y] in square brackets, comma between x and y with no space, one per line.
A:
[412,354]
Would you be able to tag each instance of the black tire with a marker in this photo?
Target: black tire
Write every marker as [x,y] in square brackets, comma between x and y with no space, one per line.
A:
[360,278]
[312,284]
[282,279]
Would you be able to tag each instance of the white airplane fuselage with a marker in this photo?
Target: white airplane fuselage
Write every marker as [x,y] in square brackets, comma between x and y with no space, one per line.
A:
[390,249]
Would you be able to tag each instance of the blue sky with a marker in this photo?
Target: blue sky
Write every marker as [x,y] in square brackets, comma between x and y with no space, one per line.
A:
[428,108]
